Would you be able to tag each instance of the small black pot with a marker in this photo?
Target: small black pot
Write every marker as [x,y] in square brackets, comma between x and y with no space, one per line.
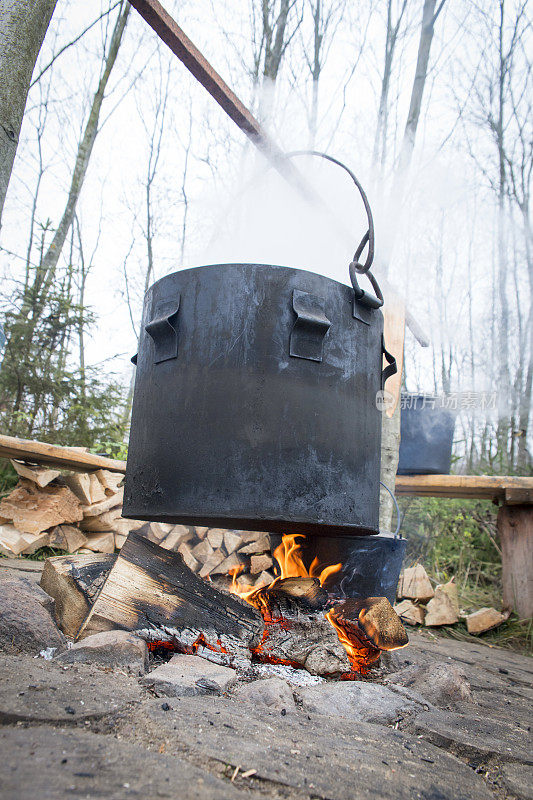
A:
[371,565]
[427,436]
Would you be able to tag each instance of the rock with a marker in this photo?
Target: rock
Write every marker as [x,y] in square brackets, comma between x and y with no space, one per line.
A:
[415,585]
[518,778]
[484,620]
[260,564]
[35,690]
[440,610]
[185,676]
[357,700]
[321,757]
[274,693]
[109,649]
[78,763]
[410,613]
[476,736]
[441,683]
[26,624]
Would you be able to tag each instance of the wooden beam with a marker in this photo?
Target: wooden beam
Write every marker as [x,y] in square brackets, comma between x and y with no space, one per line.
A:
[515,530]
[68,457]
[490,487]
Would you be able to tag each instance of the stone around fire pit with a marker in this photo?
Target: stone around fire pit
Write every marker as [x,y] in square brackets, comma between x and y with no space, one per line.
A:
[26,624]
[111,650]
[185,676]
[271,692]
[35,690]
[440,683]
[357,701]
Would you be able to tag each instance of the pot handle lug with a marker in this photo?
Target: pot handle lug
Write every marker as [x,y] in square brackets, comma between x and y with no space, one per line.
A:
[310,328]
[391,369]
[163,329]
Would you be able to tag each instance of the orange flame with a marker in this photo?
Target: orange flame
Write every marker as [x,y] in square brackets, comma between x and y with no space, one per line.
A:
[361,656]
[289,557]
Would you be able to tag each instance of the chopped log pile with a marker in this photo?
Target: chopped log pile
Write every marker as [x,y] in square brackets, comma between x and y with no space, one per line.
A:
[421,604]
[81,512]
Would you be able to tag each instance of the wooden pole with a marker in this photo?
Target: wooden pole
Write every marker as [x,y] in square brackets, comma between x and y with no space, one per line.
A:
[515,529]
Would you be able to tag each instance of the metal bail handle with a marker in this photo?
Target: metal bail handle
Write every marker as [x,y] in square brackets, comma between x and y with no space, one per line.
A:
[368,239]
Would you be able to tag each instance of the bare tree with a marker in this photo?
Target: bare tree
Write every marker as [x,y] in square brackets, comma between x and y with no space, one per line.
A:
[23,24]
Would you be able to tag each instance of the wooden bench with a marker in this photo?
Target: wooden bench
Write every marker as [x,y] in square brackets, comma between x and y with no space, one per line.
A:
[515,523]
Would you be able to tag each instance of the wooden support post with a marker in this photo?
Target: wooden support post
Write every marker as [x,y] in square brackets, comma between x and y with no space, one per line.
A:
[515,529]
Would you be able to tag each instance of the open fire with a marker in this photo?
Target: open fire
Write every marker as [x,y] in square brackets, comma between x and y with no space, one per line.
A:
[364,628]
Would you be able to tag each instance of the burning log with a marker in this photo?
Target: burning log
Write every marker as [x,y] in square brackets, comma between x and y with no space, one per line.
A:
[366,627]
[151,590]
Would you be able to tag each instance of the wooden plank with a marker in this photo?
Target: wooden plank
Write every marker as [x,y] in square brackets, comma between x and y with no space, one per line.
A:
[68,457]
[515,530]
[394,335]
[491,487]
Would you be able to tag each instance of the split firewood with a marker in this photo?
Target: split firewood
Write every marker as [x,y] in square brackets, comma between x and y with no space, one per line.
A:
[120,538]
[12,541]
[259,564]
[415,585]
[440,610]
[212,561]
[74,581]
[96,489]
[484,620]
[80,484]
[185,552]
[41,476]
[101,542]
[151,589]
[233,562]
[264,579]
[232,541]
[247,537]
[95,509]
[202,551]
[103,522]
[172,540]
[261,545]
[450,589]
[215,537]
[410,613]
[35,542]
[67,537]
[201,532]
[33,510]
[111,481]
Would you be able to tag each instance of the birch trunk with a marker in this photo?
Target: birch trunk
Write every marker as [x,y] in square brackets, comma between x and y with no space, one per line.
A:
[23,24]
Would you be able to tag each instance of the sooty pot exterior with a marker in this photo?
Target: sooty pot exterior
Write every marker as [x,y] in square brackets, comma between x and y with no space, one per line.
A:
[255,403]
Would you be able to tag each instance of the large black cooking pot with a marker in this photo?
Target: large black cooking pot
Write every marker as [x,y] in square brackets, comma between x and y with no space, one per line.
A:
[426,436]
[255,401]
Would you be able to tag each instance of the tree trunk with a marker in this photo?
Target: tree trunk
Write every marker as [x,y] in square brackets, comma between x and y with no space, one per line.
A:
[23,24]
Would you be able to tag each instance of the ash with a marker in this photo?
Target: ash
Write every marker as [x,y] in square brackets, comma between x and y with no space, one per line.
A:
[296,677]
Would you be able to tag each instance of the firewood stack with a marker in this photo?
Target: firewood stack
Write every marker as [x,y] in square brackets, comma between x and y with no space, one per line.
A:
[81,512]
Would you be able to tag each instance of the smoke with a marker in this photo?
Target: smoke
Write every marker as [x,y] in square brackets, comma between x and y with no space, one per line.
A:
[263,219]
